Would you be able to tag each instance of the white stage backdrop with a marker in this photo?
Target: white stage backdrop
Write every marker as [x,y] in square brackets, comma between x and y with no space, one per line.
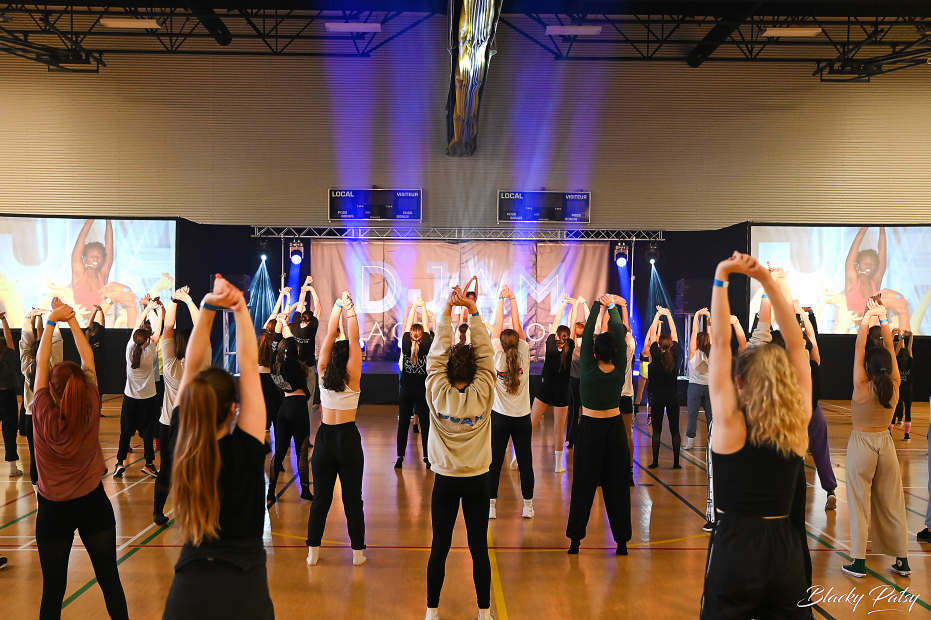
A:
[816,257]
[383,276]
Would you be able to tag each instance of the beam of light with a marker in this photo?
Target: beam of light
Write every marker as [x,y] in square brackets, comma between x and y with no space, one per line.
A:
[295,282]
[623,274]
[261,297]
[658,295]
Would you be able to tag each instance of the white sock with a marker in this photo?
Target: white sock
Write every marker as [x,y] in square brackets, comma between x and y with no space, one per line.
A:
[528,509]
[485,614]
[313,555]
[432,614]
[357,558]
[559,466]
[492,510]
[528,503]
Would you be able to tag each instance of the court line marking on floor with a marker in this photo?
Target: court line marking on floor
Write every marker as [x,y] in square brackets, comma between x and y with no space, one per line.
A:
[496,586]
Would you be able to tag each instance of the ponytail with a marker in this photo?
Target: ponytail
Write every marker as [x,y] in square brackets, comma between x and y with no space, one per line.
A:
[563,333]
[416,336]
[665,347]
[878,366]
[463,329]
[140,339]
[69,392]
[205,405]
[509,342]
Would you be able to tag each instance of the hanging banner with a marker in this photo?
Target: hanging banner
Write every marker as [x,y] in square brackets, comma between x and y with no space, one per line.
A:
[383,276]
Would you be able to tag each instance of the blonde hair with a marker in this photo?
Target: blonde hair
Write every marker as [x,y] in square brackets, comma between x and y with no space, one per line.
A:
[416,336]
[771,400]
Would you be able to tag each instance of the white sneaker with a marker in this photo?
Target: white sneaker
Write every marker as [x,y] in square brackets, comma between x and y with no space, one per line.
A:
[313,555]
[15,471]
[831,503]
[357,558]
[492,511]
[514,463]
[528,509]
[689,442]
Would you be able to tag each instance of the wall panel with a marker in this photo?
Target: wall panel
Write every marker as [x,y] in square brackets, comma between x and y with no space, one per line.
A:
[259,140]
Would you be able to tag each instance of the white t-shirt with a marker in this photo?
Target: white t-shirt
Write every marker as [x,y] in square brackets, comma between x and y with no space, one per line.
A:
[629,379]
[698,368]
[173,370]
[512,405]
[140,382]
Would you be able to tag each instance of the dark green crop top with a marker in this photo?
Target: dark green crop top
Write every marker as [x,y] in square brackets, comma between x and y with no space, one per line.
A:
[602,390]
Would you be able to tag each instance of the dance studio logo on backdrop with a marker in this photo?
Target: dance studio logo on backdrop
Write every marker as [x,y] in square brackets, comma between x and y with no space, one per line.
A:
[834,270]
[384,276]
[110,263]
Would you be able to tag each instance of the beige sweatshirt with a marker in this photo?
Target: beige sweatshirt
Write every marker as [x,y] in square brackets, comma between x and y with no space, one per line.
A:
[460,422]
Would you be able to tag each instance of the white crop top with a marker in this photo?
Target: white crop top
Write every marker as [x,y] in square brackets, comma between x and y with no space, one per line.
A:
[347,400]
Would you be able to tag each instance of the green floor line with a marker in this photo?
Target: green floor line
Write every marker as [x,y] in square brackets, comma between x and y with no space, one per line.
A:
[28,514]
[87,586]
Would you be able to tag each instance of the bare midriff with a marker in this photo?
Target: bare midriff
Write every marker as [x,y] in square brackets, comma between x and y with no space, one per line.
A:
[338,416]
[601,413]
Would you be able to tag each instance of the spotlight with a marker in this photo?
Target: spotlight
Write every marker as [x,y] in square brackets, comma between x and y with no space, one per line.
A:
[297,252]
[620,254]
[264,257]
[652,253]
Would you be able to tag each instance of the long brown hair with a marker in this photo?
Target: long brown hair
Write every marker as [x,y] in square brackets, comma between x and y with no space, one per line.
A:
[509,342]
[69,392]
[665,346]
[703,342]
[416,336]
[562,335]
[266,338]
[335,375]
[878,366]
[140,338]
[206,404]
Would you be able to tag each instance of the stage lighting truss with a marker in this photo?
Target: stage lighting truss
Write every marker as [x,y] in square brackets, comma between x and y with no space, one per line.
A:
[297,252]
[621,252]
[456,234]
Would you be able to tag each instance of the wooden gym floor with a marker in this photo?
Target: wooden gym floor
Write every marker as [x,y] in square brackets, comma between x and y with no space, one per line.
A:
[532,576]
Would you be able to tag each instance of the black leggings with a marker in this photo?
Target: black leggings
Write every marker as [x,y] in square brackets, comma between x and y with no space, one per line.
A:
[92,516]
[904,406]
[410,403]
[9,419]
[135,415]
[575,410]
[448,491]
[797,519]
[273,397]
[519,429]
[337,453]
[600,457]
[293,421]
[167,435]
[33,470]
[669,403]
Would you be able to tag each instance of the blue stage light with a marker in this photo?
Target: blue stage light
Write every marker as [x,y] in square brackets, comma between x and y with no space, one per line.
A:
[621,261]
[296,259]
[264,257]
[620,255]
[297,252]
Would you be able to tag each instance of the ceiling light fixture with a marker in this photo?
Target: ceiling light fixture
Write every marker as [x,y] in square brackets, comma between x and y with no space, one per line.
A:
[573,31]
[352,27]
[130,22]
[792,31]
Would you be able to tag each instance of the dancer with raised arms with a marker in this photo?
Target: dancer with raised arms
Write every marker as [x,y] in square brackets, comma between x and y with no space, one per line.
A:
[555,389]
[761,412]
[460,394]
[664,387]
[218,477]
[338,445]
[412,395]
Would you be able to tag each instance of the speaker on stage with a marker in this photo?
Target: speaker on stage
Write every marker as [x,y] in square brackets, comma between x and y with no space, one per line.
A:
[239,281]
[693,295]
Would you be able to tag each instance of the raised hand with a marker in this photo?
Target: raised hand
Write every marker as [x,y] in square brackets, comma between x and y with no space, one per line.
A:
[734,320]
[308,281]
[61,313]
[606,300]
[183,294]
[285,290]
[777,272]
[620,301]
[579,300]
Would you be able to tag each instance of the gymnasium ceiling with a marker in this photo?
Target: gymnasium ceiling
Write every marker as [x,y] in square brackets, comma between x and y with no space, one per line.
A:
[856,41]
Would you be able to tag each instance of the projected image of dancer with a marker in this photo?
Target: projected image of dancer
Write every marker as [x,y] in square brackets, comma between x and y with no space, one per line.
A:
[555,389]
[864,271]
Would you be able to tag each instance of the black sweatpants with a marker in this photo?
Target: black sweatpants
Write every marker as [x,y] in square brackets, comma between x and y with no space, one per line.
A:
[92,516]
[9,419]
[797,519]
[601,456]
[412,402]
[136,416]
[33,471]
[575,410]
[448,492]
[337,453]
[293,422]
[167,436]
[519,429]
[754,570]
[660,402]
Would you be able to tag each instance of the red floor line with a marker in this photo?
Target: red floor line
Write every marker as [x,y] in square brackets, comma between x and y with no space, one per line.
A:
[924,499]
[18,498]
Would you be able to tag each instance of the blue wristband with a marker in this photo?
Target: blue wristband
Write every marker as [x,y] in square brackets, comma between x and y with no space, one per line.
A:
[476,314]
[613,305]
[765,296]
[205,306]
[883,321]
[720,283]
[52,323]
[125,289]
